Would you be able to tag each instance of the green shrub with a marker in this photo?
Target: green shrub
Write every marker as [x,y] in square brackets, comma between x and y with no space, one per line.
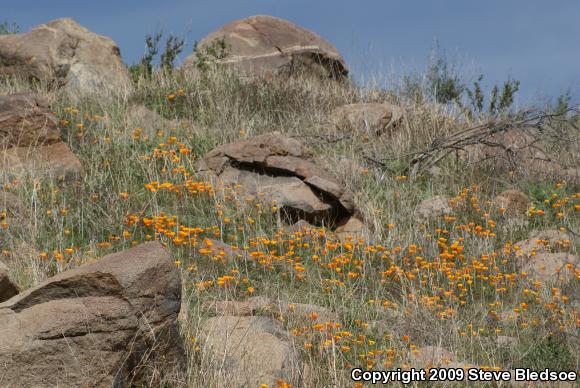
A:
[208,54]
[443,84]
[496,103]
[145,67]
[9,28]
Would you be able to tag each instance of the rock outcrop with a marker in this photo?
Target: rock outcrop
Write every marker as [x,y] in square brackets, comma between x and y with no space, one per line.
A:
[108,323]
[266,45]
[275,168]
[30,140]
[65,54]
[244,345]
[54,160]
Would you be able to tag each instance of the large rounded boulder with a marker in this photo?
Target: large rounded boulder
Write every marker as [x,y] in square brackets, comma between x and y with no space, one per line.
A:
[110,323]
[65,54]
[266,45]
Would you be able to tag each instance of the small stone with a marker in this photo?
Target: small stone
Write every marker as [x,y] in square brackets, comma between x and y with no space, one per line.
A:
[352,229]
[433,207]
[307,312]
[218,250]
[301,226]
[512,203]
[139,116]
[503,340]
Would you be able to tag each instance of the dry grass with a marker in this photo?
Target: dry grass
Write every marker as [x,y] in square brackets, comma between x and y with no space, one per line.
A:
[409,284]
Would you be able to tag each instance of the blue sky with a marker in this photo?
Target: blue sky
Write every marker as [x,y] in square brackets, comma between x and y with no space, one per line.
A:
[536,42]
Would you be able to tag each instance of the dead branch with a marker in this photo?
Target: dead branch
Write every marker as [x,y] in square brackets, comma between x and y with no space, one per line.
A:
[530,121]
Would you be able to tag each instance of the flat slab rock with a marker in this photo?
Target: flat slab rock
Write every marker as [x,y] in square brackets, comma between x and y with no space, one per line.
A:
[279,169]
[96,325]
[266,45]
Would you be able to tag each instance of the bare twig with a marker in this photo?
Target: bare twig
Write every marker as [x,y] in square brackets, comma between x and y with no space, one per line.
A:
[483,134]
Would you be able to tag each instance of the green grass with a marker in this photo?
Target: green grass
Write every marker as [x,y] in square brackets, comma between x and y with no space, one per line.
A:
[91,218]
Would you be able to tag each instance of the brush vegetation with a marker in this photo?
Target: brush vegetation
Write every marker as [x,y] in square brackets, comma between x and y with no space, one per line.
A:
[407,284]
